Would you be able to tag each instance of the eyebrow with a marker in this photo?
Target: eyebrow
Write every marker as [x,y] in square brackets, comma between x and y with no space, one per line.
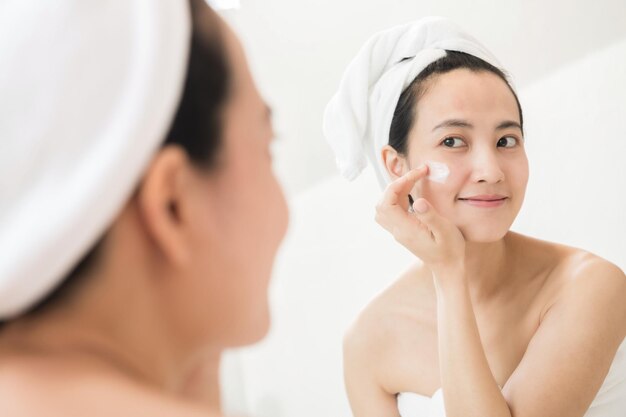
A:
[463,123]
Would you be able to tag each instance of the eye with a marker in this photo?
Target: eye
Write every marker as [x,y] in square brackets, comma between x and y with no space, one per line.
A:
[451,141]
[507,142]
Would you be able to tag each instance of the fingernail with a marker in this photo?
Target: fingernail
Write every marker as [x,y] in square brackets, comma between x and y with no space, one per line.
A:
[420,206]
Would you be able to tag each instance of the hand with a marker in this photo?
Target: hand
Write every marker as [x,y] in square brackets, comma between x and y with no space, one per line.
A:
[428,235]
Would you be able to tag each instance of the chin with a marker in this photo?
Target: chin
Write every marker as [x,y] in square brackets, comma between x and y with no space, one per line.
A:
[255,325]
[477,234]
[261,330]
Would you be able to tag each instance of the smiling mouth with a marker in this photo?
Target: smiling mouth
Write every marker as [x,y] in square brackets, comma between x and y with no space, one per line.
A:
[484,202]
[481,199]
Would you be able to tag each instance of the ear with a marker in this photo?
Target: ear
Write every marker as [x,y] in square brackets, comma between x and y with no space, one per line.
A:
[164,203]
[395,163]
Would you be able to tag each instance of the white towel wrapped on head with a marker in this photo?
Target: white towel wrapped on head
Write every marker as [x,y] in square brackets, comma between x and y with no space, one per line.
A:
[358,118]
[89,89]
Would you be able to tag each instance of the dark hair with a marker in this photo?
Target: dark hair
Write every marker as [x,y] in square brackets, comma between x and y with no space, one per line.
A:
[196,127]
[404,114]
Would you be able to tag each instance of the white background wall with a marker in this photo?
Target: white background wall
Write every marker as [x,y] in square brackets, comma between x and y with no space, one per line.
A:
[568,59]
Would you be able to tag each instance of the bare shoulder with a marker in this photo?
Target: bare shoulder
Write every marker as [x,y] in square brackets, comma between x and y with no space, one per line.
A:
[392,328]
[565,260]
[407,301]
[585,322]
[34,388]
[579,276]
[566,269]
[590,281]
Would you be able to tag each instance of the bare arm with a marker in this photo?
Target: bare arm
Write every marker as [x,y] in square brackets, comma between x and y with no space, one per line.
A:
[572,349]
[469,388]
[362,359]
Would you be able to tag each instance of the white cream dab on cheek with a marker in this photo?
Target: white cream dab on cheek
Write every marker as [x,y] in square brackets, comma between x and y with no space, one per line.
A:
[437,171]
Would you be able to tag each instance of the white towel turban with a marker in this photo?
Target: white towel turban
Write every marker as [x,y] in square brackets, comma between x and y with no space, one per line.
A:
[88,90]
[358,118]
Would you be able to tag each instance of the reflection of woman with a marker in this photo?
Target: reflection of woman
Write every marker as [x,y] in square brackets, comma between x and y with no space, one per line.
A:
[167,167]
[494,322]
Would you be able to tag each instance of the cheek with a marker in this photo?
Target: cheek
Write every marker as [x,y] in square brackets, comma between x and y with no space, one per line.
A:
[253,221]
[442,195]
[520,177]
[261,210]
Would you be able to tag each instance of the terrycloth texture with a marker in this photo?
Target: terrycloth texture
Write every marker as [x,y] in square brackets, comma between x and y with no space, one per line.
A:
[89,89]
[610,401]
[358,117]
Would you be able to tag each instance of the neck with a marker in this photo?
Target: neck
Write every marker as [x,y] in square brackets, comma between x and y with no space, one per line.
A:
[487,268]
[119,332]
[124,321]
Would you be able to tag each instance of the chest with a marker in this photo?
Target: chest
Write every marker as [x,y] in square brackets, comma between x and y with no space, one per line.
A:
[505,332]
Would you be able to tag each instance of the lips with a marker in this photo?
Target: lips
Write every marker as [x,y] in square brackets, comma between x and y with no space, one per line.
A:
[485,200]
[485,197]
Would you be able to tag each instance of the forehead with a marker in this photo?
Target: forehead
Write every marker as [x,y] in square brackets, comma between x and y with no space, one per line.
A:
[466,94]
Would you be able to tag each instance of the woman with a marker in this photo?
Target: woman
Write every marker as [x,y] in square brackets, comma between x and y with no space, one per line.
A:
[490,322]
[175,268]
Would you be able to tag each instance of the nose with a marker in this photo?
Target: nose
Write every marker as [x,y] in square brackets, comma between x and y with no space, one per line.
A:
[486,166]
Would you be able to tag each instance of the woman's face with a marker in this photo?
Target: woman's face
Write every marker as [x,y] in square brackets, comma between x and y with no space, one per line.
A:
[470,121]
[248,216]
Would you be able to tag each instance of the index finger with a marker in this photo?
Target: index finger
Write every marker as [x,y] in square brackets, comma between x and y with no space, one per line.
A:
[399,189]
